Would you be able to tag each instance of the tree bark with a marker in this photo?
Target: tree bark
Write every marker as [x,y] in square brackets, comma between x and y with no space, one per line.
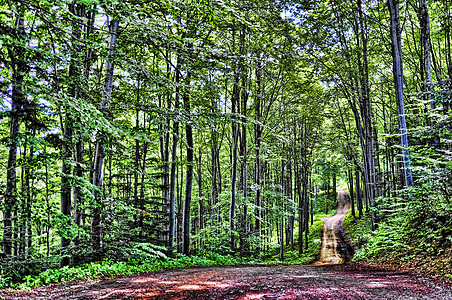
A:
[19,68]
[189,174]
[424,21]
[257,138]
[99,158]
[398,83]
[174,162]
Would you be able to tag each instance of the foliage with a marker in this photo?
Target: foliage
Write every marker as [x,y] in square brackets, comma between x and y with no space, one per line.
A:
[358,231]
[111,269]
[325,202]
[292,256]
[408,230]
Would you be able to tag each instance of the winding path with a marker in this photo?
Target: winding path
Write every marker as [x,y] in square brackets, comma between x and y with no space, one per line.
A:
[335,248]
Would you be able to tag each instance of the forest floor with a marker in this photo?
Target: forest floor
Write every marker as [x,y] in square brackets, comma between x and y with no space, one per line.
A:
[329,278]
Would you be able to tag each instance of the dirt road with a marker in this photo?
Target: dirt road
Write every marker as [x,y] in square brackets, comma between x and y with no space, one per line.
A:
[335,249]
[350,281]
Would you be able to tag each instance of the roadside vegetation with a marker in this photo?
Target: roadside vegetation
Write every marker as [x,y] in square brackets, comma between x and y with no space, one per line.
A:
[145,257]
[111,269]
[414,233]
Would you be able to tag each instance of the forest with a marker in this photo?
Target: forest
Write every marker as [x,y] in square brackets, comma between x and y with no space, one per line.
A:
[138,135]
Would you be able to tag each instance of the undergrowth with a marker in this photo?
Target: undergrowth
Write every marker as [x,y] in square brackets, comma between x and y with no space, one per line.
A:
[417,233]
[143,258]
[310,254]
[110,269]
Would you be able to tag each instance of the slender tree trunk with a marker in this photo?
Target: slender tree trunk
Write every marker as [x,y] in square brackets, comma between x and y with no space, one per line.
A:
[99,158]
[300,210]
[213,179]
[136,167]
[200,199]
[19,68]
[79,146]
[189,175]
[352,196]
[398,82]
[28,207]
[235,101]
[235,139]
[244,169]
[281,239]
[174,162]
[257,138]
[306,183]
[424,21]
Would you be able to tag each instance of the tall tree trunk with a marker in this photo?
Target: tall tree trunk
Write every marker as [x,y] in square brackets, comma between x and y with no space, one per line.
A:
[366,114]
[213,178]
[200,200]
[396,44]
[257,138]
[174,164]
[235,102]
[189,175]
[99,156]
[351,191]
[424,21]
[244,170]
[164,154]
[75,69]
[79,146]
[66,188]
[305,171]
[19,68]
[235,139]
[136,168]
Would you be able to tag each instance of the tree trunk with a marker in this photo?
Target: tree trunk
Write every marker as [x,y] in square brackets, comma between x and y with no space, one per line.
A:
[200,200]
[281,239]
[174,162]
[359,199]
[189,175]
[257,138]
[351,192]
[19,67]
[398,83]
[424,21]
[244,171]
[213,178]
[79,146]
[99,158]
[235,139]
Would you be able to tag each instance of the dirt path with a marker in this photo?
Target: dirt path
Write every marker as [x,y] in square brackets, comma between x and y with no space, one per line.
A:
[335,249]
[350,281]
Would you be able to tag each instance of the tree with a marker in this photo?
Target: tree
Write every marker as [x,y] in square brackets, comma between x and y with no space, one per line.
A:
[99,156]
[398,83]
